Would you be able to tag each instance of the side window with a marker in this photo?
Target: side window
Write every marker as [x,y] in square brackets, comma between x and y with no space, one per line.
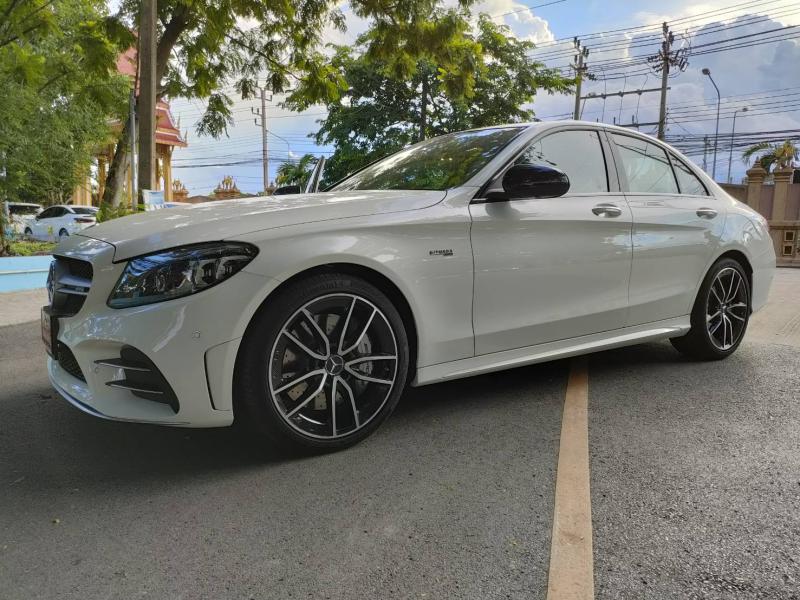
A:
[646,166]
[688,181]
[577,153]
[48,213]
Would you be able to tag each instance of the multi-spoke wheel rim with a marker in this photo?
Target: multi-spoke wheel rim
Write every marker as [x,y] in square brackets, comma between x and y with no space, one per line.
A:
[333,366]
[726,309]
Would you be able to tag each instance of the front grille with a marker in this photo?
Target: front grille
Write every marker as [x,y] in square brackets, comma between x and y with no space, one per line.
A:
[66,360]
[69,282]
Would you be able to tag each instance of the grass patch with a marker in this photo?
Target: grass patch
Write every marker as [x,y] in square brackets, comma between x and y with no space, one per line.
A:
[30,248]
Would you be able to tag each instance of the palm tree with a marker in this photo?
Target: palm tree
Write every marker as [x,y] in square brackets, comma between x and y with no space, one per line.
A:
[772,155]
[296,173]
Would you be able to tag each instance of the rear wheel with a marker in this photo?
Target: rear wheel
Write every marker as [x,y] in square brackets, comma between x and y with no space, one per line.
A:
[28,231]
[323,364]
[63,234]
[720,315]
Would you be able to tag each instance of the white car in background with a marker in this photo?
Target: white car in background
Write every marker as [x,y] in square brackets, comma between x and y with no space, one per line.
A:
[19,214]
[60,221]
[306,316]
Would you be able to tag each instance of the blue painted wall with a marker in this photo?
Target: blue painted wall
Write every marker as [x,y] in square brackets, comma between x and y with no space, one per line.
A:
[23,272]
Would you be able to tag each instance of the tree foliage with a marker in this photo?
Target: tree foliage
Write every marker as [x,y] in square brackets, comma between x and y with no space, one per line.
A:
[386,107]
[296,173]
[58,88]
[770,155]
[212,49]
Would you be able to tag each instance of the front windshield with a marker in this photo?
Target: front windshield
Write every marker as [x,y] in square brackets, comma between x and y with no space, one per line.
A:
[436,164]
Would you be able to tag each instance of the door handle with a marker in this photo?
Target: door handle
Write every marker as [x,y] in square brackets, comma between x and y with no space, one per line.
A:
[706,213]
[607,210]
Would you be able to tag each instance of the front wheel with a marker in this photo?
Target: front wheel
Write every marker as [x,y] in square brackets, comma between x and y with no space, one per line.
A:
[720,315]
[323,364]
[28,232]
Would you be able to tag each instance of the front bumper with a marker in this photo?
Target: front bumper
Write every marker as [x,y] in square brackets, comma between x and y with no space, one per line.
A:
[193,342]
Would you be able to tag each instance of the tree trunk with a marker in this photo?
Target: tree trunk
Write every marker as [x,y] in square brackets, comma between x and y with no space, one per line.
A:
[115,180]
[423,109]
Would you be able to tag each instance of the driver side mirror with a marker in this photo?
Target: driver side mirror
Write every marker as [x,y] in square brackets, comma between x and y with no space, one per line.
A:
[532,181]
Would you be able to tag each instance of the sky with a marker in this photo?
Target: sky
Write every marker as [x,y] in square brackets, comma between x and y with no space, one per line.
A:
[764,77]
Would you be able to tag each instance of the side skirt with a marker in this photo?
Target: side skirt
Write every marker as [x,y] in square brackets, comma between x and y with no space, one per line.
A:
[508,359]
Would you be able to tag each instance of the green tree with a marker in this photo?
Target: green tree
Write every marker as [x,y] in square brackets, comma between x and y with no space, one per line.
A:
[58,87]
[382,112]
[296,173]
[204,51]
[209,49]
[770,155]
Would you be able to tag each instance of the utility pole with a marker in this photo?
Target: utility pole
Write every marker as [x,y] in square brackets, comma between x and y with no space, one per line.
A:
[134,162]
[264,138]
[663,61]
[666,47]
[147,97]
[705,153]
[580,68]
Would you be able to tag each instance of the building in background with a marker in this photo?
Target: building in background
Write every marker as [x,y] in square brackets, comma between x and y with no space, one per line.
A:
[168,137]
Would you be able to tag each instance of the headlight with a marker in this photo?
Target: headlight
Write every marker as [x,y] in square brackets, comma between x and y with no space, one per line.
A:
[179,272]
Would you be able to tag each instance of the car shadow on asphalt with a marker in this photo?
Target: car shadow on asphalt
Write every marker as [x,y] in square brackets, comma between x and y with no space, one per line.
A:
[49,443]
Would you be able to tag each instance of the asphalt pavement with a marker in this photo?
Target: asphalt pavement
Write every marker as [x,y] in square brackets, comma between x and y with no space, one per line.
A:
[695,487]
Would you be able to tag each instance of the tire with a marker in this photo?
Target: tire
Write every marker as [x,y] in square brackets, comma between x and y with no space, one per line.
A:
[28,231]
[720,314]
[63,233]
[282,347]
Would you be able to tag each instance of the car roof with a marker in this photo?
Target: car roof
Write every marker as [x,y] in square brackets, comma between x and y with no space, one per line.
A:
[558,123]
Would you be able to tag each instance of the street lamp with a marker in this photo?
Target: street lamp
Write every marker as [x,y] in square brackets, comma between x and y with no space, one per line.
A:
[716,132]
[285,141]
[733,130]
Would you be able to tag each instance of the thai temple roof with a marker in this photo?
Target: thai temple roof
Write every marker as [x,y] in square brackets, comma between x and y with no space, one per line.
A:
[167,131]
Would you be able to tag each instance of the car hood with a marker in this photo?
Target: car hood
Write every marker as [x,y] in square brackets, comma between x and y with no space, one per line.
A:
[155,230]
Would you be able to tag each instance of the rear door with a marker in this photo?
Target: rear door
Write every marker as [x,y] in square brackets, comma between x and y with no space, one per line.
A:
[676,228]
[549,269]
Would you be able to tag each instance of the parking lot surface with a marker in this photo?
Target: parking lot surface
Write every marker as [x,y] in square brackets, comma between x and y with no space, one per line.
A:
[694,472]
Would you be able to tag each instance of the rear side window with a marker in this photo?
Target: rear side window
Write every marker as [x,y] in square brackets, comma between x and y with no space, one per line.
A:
[646,166]
[688,181]
[577,153]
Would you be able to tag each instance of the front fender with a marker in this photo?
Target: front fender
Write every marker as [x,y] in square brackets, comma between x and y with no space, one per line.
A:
[426,254]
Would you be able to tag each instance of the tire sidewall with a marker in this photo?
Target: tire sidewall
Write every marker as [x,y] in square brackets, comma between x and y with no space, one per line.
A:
[699,311]
[253,397]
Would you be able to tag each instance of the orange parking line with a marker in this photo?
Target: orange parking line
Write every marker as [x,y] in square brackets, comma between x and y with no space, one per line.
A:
[571,575]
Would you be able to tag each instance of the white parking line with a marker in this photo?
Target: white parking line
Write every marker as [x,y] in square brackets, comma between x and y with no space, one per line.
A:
[571,575]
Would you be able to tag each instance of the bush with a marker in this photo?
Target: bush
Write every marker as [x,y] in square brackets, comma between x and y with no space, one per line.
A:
[30,247]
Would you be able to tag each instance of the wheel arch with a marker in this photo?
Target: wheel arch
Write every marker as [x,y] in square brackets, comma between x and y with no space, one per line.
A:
[742,259]
[372,276]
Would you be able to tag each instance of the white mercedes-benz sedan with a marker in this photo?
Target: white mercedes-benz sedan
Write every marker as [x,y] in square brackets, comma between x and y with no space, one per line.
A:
[305,316]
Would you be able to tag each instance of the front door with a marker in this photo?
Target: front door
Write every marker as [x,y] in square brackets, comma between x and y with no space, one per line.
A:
[549,269]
